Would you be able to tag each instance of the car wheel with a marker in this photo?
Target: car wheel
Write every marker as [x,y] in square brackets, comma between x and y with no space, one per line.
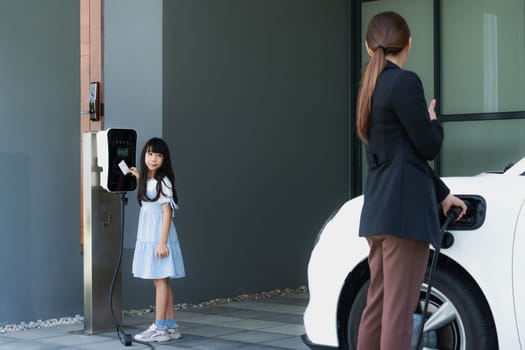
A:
[458,317]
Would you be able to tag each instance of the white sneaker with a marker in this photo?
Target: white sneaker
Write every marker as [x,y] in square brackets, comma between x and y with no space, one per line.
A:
[153,334]
[174,333]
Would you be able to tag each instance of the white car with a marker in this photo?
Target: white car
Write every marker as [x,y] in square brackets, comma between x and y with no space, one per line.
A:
[477,296]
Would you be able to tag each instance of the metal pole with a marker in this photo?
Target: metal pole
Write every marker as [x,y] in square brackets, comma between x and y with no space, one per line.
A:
[101,216]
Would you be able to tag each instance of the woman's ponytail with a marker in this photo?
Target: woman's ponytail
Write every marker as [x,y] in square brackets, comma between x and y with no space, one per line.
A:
[368,83]
[387,34]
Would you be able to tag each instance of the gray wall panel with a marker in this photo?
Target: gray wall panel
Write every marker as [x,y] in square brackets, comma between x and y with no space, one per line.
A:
[133,78]
[40,263]
[252,99]
[255,110]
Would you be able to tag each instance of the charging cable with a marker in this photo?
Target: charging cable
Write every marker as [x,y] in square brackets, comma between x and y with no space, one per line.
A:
[125,338]
[453,213]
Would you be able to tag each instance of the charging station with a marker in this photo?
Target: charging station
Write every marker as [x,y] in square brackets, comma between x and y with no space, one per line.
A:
[106,155]
[116,150]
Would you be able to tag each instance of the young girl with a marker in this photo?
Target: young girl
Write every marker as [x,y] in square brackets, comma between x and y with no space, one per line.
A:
[157,251]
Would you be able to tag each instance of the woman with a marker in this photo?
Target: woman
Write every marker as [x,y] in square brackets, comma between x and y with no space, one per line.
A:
[402,193]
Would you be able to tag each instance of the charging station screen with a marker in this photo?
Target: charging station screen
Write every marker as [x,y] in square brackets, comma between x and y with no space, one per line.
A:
[122,152]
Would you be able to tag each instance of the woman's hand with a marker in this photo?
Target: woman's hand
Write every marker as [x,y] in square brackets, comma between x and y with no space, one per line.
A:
[162,250]
[431,110]
[134,171]
[453,201]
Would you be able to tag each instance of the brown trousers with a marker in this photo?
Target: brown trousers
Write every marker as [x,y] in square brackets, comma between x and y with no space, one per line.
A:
[397,268]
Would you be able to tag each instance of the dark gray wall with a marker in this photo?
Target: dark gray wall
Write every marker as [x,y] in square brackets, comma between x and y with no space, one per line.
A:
[133,100]
[40,264]
[133,78]
[254,106]
[255,110]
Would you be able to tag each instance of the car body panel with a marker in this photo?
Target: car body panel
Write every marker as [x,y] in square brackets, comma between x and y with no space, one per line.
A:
[518,275]
[342,253]
[486,253]
[493,255]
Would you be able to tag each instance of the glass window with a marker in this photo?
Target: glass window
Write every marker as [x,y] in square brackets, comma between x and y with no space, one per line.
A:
[472,147]
[483,56]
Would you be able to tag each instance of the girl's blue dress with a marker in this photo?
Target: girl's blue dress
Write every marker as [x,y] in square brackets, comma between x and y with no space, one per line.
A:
[145,263]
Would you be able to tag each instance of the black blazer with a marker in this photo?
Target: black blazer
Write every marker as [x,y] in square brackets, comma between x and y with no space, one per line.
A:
[402,192]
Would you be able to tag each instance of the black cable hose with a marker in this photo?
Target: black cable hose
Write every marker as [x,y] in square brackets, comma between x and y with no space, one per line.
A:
[452,214]
[120,331]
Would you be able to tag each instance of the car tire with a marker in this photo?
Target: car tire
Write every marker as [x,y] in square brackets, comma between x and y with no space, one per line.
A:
[470,325]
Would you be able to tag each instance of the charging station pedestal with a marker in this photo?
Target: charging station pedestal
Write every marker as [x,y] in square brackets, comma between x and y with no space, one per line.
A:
[102,229]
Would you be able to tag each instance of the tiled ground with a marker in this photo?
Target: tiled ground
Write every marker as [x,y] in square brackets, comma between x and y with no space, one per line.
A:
[268,324]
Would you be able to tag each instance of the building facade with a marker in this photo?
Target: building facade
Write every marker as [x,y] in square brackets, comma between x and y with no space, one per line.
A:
[256,99]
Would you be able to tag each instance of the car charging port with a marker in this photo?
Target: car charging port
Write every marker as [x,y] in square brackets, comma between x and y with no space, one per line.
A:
[474,217]
[472,220]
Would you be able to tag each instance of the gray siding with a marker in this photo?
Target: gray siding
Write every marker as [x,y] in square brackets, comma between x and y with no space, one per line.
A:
[252,98]
[255,110]
[40,264]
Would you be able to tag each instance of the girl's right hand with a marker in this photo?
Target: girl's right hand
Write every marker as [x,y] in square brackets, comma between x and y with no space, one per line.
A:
[431,110]
[133,171]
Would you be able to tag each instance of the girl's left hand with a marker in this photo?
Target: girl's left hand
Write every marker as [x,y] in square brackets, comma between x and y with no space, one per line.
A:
[162,250]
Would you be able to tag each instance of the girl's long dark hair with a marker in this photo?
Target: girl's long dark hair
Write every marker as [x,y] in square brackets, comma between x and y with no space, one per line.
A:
[155,145]
[387,33]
